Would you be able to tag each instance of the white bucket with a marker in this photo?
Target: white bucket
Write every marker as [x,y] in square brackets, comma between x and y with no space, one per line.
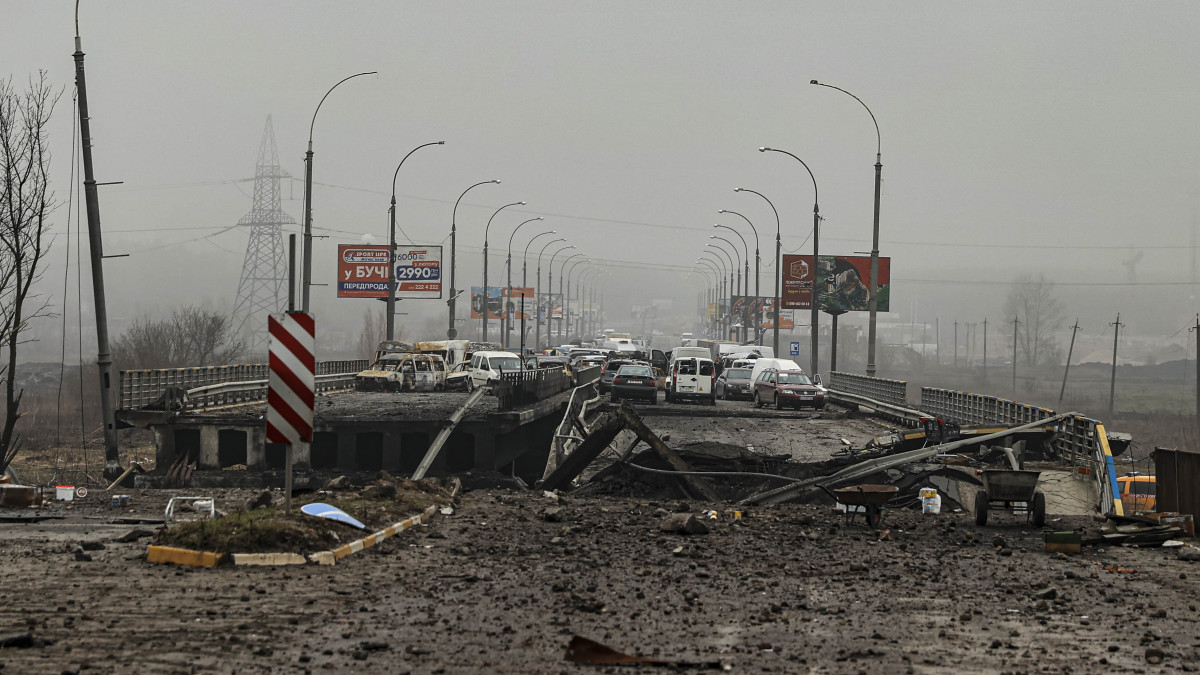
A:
[931,504]
[64,493]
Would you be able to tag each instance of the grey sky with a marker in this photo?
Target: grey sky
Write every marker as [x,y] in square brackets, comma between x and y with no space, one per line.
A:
[1014,136]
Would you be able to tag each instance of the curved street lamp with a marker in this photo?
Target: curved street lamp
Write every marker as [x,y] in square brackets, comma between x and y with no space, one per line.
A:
[708,288]
[737,260]
[306,273]
[525,284]
[562,269]
[452,332]
[757,290]
[778,252]
[550,287]
[485,268]
[729,290]
[722,283]
[567,309]
[816,290]
[718,268]
[506,318]
[391,296]
[874,300]
[537,306]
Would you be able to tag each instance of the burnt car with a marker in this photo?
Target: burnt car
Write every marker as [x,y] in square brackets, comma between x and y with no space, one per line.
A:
[398,371]
[787,389]
[734,383]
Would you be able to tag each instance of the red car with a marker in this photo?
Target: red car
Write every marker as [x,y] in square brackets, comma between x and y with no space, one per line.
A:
[787,388]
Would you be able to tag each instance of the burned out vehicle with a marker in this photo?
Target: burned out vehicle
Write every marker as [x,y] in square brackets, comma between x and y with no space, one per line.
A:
[400,371]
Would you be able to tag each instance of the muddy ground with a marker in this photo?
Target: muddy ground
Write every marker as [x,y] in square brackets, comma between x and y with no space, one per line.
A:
[501,586]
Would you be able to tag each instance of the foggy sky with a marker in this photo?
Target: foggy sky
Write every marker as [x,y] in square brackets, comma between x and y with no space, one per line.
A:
[1016,137]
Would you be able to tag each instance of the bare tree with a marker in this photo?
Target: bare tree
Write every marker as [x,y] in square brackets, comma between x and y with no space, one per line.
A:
[374,331]
[190,337]
[26,202]
[1032,302]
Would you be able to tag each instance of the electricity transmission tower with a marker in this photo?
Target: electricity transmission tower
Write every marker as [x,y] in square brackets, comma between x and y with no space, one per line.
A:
[262,289]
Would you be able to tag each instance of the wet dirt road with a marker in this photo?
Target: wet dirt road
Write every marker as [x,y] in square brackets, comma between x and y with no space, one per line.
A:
[498,587]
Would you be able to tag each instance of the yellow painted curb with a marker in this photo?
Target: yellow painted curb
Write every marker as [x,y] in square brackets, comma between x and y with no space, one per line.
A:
[330,557]
[182,556]
[268,559]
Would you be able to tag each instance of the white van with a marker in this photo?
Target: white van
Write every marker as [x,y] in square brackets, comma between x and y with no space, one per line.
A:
[486,367]
[692,378]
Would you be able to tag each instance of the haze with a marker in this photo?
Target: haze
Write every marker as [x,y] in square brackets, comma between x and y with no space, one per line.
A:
[1053,138]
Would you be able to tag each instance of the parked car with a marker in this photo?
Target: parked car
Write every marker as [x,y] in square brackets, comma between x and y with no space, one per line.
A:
[398,371]
[459,377]
[1138,493]
[787,388]
[692,378]
[734,383]
[486,367]
[610,371]
[635,381]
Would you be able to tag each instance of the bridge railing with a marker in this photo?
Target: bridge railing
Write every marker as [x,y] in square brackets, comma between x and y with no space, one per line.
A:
[894,392]
[522,387]
[217,386]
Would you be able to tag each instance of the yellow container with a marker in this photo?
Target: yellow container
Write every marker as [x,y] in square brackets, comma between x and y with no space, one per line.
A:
[928,493]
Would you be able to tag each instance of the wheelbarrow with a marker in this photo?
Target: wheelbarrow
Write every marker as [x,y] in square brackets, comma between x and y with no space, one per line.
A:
[871,498]
[1013,491]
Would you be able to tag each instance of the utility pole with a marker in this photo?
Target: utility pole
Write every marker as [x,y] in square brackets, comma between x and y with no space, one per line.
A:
[1070,351]
[937,337]
[1112,384]
[1016,323]
[112,458]
[1196,329]
[984,366]
[955,344]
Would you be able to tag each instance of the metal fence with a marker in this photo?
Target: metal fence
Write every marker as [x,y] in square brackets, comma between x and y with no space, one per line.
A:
[522,387]
[586,375]
[1177,475]
[218,386]
[967,408]
[877,388]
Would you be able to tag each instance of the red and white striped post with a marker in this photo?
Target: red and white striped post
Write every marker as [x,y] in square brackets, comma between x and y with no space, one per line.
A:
[291,386]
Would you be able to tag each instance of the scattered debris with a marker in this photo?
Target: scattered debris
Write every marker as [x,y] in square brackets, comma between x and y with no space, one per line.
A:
[262,501]
[592,653]
[332,513]
[686,523]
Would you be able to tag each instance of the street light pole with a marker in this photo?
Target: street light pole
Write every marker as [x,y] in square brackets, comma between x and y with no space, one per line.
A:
[550,285]
[306,272]
[816,291]
[730,289]
[746,267]
[484,311]
[567,316]
[537,305]
[525,284]
[391,296]
[451,331]
[757,292]
[778,265]
[873,303]
[562,272]
[722,288]
[506,319]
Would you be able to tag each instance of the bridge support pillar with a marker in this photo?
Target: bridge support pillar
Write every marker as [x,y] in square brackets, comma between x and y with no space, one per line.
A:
[210,445]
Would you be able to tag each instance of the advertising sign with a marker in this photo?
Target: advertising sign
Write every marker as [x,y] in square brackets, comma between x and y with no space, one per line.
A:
[496,298]
[363,271]
[418,272]
[786,321]
[844,282]
[550,306]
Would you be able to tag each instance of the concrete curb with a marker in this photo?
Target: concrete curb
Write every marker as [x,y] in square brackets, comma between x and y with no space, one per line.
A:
[331,557]
[268,559]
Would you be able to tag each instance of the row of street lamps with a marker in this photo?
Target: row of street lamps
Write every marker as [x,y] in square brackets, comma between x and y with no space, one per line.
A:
[717,267]
[451,332]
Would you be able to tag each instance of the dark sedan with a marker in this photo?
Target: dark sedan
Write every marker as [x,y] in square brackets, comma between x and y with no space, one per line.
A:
[635,381]
[734,383]
[610,371]
[787,389]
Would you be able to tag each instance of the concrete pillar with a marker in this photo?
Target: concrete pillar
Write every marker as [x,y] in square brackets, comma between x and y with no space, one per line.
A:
[209,447]
[256,449]
[391,451]
[164,443]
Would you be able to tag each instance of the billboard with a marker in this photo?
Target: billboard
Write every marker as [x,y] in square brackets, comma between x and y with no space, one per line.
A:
[363,271]
[419,272]
[550,306]
[496,297]
[843,282]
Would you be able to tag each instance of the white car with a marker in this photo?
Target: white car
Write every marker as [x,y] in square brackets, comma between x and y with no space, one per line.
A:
[486,367]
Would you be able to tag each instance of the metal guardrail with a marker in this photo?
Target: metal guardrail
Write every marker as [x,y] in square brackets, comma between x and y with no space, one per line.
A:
[894,392]
[522,387]
[586,375]
[229,394]
[967,408]
[140,388]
